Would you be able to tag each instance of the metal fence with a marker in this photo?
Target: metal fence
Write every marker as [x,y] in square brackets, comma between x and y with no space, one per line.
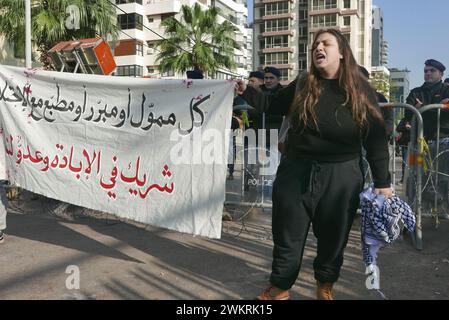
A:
[426,169]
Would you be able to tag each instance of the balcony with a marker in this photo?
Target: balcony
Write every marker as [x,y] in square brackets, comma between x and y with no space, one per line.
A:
[344,29]
[161,6]
[278,33]
[278,16]
[277,49]
[283,66]
[348,12]
[271,1]
[324,11]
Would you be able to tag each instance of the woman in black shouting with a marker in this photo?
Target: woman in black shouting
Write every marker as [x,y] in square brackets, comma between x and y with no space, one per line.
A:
[332,112]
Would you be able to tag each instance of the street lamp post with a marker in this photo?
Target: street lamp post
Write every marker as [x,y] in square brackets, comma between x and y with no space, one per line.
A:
[28,34]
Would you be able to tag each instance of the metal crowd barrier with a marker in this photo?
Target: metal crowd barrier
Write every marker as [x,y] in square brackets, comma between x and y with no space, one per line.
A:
[415,168]
[434,165]
[415,162]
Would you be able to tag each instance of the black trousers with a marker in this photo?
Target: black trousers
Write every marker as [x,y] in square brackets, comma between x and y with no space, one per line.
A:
[324,194]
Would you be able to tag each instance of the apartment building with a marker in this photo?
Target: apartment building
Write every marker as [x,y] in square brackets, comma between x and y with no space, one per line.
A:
[9,56]
[141,29]
[352,18]
[278,35]
[400,84]
[379,45]
[284,31]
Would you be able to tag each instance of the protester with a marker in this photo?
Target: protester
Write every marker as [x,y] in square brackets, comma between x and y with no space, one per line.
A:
[256,79]
[432,91]
[270,87]
[332,112]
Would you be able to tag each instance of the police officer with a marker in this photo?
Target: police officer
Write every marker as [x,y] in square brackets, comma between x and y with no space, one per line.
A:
[432,91]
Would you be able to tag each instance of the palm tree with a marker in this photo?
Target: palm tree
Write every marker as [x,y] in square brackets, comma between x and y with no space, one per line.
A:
[197,41]
[97,18]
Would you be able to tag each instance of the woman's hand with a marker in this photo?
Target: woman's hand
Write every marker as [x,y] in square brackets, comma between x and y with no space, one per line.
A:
[387,192]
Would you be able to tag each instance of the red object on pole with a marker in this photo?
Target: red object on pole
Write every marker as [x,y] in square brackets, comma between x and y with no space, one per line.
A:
[91,56]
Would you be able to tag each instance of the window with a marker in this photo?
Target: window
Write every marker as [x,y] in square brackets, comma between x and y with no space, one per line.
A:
[276,8]
[150,20]
[276,58]
[139,49]
[276,42]
[324,4]
[129,71]
[302,64]
[324,20]
[347,21]
[302,48]
[166,16]
[347,4]
[130,21]
[302,31]
[302,14]
[151,45]
[150,69]
[276,25]
[284,74]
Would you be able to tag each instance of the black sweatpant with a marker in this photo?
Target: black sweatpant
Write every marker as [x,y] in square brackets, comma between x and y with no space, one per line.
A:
[324,194]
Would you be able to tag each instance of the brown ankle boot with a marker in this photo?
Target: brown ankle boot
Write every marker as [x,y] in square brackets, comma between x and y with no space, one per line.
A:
[273,293]
[324,291]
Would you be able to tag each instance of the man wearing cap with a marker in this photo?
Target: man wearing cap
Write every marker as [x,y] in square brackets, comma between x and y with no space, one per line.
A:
[256,79]
[270,87]
[432,91]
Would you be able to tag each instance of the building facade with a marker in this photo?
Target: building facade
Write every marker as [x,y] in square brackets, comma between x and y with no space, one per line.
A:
[400,84]
[141,29]
[379,45]
[284,31]
[280,35]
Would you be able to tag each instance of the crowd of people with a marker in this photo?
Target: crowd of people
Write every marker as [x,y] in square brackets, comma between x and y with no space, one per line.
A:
[333,120]
[330,118]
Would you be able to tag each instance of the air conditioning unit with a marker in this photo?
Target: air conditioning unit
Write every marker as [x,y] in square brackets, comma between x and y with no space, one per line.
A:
[150,51]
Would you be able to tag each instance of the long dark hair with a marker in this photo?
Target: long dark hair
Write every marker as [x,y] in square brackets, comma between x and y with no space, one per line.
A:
[351,82]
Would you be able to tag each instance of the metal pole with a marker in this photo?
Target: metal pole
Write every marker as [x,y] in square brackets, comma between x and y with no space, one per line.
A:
[419,165]
[435,203]
[28,34]
[264,155]
[243,161]
[394,150]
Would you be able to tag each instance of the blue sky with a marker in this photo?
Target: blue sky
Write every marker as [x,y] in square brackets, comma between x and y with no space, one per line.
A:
[415,30]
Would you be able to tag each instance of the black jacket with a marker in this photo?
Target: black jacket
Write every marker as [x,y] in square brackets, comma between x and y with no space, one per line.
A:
[429,94]
[272,121]
[387,114]
[404,139]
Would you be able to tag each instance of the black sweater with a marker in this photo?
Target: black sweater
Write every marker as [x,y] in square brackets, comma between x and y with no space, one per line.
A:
[338,138]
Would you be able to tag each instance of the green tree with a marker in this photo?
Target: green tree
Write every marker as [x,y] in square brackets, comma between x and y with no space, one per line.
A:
[197,40]
[381,83]
[97,18]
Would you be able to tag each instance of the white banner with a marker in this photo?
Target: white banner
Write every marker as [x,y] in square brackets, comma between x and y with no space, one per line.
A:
[153,151]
